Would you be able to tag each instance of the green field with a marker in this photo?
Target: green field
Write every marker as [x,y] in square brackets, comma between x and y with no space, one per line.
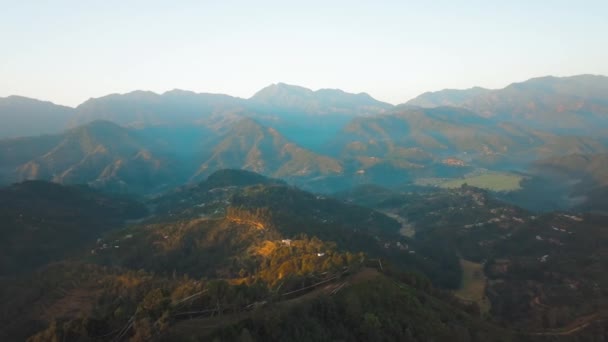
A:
[473,285]
[490,181]
[494,181]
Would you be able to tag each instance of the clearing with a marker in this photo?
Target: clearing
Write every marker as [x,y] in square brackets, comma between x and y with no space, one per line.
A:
[407,229]
[473,286]
[494,181]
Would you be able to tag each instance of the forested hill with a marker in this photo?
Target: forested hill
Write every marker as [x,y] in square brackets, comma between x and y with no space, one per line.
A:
[241,256]
[44,222]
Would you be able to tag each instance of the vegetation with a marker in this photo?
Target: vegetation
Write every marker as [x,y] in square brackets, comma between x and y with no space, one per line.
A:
[375,309]
[473,286]
[444,252]
[241,256]
[583,179]
[40,223]
[251,146]
[542,270]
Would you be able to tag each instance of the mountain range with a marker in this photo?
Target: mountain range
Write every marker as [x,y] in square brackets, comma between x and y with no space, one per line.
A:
[547,102]
[323,140]
[575,104]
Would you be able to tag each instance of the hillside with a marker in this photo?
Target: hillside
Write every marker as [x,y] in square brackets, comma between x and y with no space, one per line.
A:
[369,307]
[437,129]
[235,213]
[227,257]
[101,154]
[227,222]
[389,149]
[584,176]
[150,160]
[253,239]
[415,139]
[560,103]
[543,271]
[40,223]
[251,146]
[567,105]
[590,167]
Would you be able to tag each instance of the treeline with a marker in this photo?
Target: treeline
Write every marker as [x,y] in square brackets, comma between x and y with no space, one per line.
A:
[142,306]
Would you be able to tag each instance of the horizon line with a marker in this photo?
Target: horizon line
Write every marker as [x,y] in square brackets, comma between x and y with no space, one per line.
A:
[161,93]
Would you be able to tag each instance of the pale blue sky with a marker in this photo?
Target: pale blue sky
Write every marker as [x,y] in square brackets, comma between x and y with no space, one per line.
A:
[69,51]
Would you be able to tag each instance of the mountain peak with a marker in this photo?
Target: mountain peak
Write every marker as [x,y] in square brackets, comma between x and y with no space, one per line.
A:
[446,97]
[580,85]
[323,101]
[280,90]
[178,91]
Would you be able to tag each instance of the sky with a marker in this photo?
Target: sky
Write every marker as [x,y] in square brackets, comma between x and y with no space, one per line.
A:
[69,51]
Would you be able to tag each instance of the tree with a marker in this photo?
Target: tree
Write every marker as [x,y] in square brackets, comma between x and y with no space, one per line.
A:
[154,303]
[143,330]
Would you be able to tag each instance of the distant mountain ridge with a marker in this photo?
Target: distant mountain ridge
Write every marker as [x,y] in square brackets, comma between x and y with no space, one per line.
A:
[22,116]
[144,142]
[446,97]
[146,108]
[558,104]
